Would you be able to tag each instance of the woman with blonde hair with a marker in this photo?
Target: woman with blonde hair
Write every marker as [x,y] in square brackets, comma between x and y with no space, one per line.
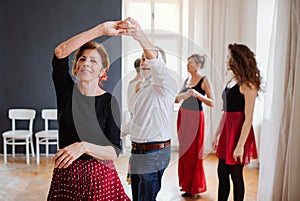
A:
[190,125]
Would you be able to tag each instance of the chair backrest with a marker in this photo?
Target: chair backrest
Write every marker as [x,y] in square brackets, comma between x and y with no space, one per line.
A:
[49,114]
[21,114]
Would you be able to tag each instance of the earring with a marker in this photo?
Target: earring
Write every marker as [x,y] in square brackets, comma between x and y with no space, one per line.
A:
[103,77]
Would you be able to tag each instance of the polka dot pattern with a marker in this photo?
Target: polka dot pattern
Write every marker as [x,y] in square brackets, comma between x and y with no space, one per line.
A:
[89,179]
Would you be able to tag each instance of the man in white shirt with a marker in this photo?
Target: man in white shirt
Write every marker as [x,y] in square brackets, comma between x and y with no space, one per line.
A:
[134,86]
[150,125]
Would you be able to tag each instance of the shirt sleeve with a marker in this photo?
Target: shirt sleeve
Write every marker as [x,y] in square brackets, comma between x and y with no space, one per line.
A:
[161,76]
[63,82]
[113,123]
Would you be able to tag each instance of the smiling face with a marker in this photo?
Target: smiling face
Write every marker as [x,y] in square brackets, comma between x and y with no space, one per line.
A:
[89,61]
[89,66]
[145,69]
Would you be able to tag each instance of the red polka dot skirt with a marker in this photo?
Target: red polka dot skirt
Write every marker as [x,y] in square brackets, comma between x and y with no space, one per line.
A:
[89,179]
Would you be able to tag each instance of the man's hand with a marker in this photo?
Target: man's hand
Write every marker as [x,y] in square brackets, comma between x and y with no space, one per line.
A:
[131,28]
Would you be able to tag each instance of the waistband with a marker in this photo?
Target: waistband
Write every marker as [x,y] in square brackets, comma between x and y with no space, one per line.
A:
[150,145]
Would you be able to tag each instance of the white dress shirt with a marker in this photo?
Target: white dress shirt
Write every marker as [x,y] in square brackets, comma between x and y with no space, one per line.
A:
[132,94]
[153,108]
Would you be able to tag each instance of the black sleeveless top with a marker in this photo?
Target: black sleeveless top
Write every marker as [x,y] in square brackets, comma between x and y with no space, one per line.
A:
[233,100]
[193,103]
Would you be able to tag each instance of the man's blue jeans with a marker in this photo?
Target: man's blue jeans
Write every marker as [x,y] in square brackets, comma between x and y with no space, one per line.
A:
[146,171]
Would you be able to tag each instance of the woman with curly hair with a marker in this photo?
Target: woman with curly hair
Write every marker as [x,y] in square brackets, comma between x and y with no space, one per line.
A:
[234,139]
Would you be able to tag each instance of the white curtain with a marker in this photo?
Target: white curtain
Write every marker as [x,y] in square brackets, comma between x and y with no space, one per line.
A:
[279,177]
[213,25]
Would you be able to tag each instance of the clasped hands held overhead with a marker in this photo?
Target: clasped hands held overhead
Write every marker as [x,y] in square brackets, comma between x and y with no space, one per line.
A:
[129,26]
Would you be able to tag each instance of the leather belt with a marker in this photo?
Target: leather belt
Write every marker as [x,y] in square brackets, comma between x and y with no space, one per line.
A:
[150,146]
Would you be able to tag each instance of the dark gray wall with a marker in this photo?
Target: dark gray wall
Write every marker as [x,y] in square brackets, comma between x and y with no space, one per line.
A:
[30,30]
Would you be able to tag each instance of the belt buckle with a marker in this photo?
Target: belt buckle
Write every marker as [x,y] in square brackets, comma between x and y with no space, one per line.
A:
[134,147]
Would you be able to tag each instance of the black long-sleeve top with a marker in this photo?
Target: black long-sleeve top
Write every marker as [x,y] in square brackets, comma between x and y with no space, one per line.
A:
[93,119]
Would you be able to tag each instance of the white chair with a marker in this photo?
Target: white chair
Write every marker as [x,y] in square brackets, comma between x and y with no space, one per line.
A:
[19,136]
[48,136]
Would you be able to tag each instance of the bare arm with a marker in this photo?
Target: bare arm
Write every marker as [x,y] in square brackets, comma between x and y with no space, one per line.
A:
[250,94]
[100,152]
[66,156]
[178,97]
[67,47]
[208,99]
[218,132]
[182,96]
[134,29]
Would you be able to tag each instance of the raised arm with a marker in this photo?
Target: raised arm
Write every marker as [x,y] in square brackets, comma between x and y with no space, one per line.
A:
[109,28]
[132,28]
[155,60]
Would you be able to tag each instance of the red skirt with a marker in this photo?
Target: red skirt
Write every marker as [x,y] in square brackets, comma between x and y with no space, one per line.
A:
[232,123]
[190,127]
[89,179]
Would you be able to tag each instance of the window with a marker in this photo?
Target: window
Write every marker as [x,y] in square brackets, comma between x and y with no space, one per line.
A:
[162,21]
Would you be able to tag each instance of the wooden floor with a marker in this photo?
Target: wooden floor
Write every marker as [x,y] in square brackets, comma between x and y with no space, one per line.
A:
[19,181]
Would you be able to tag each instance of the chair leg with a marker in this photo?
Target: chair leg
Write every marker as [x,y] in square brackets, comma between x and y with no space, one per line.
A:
[31,144]
[5,150]
[57,145]
[47,147]
[37,150]
[13,147]
[27,151]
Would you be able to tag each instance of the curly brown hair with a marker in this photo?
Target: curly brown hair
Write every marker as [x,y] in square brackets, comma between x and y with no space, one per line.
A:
[243,64]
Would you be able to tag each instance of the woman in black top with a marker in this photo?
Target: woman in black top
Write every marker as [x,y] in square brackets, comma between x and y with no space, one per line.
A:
[190,126]
[89,121]
[234,138]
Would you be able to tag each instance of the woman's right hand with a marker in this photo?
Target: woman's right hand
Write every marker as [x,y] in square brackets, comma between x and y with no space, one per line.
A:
[215,140]
[111,28]
[66,156]
[183,96]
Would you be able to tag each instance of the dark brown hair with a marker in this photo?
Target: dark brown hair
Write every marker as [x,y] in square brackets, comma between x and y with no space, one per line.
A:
[94,46]
[137,64]
[243,64]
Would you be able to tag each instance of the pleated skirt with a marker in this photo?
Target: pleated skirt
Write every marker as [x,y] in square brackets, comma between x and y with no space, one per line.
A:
[88,179]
